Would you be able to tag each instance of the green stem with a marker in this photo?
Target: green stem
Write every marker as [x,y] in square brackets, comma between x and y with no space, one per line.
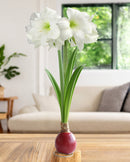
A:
[61,72]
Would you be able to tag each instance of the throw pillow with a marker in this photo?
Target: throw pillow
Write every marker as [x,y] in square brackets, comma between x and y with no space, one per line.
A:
[28,109]
[112,99]
[46,103]
[126,107]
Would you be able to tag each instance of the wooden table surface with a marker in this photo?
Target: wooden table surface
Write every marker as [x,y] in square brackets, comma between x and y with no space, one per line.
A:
[40,147]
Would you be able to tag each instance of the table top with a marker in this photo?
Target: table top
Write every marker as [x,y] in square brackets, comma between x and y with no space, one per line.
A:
[3,115]
[8,98]
[40,147]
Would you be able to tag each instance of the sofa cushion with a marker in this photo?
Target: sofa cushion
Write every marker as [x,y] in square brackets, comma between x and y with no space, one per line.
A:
[80,122]
[126,107]
[112,99]
[46,103]
[85,98]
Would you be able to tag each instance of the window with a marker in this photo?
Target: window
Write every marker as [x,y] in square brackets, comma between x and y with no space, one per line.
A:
[112,50]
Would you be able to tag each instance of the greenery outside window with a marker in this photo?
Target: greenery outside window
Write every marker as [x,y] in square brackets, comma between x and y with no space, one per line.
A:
[112,50]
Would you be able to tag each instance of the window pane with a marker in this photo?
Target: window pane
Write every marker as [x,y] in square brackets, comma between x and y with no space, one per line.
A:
[123,44]
[94,56]
[102,18]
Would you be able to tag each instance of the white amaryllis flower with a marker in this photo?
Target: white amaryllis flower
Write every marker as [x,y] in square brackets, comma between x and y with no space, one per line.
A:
[43,27]
[49,28]
[81,28]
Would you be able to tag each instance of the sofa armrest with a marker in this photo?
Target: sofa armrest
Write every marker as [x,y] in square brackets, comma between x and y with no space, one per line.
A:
[28,109]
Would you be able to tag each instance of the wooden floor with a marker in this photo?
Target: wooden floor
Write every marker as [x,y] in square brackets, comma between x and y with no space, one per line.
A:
[40,147]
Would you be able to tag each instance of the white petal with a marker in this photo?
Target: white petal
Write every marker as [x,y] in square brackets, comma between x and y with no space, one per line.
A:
[87,27]
[37,43]
[43,40]
[48,12]
[91,38]
[56,43]
[72,13]
[79,39]
[63,23]
[87,17]
[80,45]
[54,32]
[66,34]
[34,16]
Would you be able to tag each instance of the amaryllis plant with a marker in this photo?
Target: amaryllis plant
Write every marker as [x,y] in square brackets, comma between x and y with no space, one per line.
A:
[48,28]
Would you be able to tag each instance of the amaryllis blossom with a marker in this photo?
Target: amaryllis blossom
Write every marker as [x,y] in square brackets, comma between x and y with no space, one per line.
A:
[43,27]
[47,28]
[82,29]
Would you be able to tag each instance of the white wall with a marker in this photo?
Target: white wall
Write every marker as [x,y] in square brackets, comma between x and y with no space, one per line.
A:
[14,16]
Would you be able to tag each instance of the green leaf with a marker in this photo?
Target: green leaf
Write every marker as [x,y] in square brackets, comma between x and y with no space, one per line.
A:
[70,67]
[13,55]
[2,57]
[70,90]
[11,68]
[65,56]
[55,85]
[7,76]
[11,72]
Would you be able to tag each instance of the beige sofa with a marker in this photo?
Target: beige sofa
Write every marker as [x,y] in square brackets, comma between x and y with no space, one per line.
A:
[83,117]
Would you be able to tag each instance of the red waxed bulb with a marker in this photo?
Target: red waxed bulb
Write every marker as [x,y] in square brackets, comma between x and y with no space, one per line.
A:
[65,143]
